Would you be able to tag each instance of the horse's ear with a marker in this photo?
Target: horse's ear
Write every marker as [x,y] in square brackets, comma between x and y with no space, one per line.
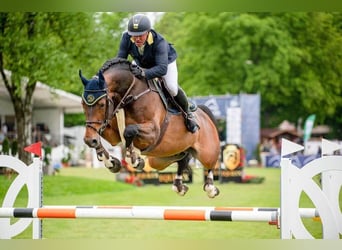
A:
[84,80]
[102,82]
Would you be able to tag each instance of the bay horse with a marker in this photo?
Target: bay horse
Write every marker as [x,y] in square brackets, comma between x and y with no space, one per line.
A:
[148,125]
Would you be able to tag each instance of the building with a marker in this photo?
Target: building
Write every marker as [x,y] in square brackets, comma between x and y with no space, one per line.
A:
[49,107]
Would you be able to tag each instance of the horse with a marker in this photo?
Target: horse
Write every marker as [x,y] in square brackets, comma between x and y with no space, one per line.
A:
[146,126]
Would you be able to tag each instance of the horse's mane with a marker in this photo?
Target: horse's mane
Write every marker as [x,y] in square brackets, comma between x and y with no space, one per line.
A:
[121,63]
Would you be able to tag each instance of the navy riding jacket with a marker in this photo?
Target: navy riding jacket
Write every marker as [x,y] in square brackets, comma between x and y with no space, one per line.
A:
[158,53]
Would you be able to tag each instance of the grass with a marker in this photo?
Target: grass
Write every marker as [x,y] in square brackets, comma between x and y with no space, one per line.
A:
[85,186]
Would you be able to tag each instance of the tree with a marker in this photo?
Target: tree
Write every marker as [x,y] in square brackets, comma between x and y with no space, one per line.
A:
[103,44]
[316,77]
[294,60]
[51,48]
[18,34]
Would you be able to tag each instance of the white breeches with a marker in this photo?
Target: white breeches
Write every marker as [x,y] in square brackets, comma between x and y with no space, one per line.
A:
[171,78]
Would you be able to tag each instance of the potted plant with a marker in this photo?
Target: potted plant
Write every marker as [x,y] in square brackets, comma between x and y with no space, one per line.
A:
[14,147]
[66,160]
[6,146]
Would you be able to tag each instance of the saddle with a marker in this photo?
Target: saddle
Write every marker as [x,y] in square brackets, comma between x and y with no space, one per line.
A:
[158,85]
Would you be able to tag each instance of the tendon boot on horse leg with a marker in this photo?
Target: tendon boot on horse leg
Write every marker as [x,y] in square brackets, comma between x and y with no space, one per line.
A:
[178,185]
[209,186]
[134,155]
[182,101]
[113,164]
[131,131]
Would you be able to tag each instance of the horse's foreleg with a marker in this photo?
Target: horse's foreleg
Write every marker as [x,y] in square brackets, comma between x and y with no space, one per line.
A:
[113,164]
[178,185]
[209,186]
[135,159]
[130,133]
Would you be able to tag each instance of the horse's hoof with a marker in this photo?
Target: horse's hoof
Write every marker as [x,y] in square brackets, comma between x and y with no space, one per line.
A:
[180,189]
[141,164]
[211,190]
[217,191]
[114,169]
[115,165]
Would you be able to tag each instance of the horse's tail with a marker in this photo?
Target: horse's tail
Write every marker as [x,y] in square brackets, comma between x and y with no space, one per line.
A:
[209,113]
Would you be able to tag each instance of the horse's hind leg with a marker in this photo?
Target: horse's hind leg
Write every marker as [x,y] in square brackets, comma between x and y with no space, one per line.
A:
[209,186]
[178,185]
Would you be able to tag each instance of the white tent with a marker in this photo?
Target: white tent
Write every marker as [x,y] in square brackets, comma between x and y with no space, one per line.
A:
[49,107]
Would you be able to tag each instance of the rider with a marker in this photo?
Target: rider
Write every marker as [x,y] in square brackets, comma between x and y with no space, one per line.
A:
[155,57]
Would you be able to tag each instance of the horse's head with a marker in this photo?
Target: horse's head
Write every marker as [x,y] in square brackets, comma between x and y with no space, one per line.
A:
[98,108]
[114,87]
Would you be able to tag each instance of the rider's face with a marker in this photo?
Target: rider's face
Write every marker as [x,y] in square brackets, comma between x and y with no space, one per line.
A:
[140,40]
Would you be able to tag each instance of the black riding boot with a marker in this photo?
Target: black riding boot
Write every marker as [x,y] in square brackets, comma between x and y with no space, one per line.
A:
[182,100]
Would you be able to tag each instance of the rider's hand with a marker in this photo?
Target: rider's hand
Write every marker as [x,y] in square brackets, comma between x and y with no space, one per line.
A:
[137,71]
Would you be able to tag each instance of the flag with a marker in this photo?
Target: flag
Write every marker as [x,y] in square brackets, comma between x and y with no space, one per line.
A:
[309,122]
[35,148]
[289,147]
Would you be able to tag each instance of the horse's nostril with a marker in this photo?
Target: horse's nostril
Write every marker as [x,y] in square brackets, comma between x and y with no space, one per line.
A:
[91,142]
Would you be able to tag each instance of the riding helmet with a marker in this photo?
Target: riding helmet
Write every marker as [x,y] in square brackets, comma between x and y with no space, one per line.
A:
[138,25]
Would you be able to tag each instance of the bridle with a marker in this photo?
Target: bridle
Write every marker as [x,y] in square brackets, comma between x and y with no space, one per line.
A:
[111,109]
[106,122]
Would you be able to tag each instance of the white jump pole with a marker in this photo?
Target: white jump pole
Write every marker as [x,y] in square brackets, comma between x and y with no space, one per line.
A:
[153,213]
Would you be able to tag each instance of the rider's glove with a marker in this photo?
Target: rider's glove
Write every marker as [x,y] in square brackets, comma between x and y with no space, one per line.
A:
[137,71]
